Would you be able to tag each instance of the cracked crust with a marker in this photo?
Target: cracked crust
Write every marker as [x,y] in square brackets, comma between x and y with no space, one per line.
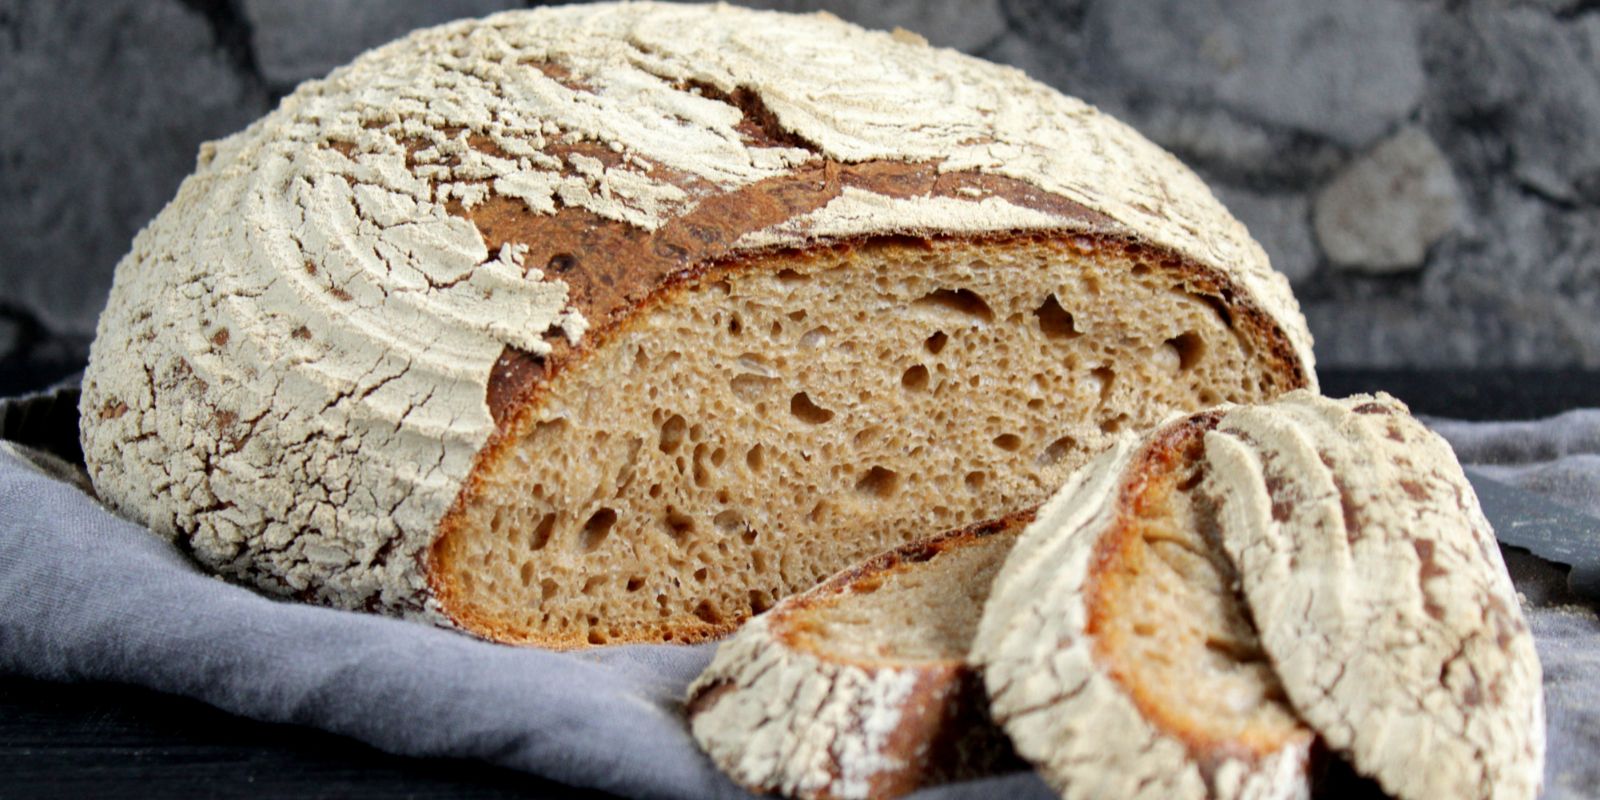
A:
[825,696]
[1097,645]
[351,306]
[1381,595]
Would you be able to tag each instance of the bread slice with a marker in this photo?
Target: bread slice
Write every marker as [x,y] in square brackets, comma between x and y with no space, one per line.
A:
[1196,602]
[1116,652]
[1380,594]
[860,687]
[620,322]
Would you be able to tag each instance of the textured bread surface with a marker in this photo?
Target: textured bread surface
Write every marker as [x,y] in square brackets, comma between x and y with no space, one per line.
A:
[1116,652]
[860,687]
[403,305]
[1380,595]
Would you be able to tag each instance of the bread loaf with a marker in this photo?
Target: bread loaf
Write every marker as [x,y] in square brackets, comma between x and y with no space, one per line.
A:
[1196,602]
[621,322]
[860,687]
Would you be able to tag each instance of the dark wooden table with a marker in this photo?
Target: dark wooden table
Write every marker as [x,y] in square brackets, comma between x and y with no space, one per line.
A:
[88,740]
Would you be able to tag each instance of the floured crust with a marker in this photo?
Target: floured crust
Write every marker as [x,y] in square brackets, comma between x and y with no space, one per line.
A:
[1380,594]
[311,351]
[1062,698]
[781,711]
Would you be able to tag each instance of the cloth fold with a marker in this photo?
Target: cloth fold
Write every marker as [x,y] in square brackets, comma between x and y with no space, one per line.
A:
[85,595]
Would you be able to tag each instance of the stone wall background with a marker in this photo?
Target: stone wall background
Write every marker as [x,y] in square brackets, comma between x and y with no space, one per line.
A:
[1427,172]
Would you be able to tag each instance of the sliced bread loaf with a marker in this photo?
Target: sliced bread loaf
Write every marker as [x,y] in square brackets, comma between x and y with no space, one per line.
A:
[1196,602]
[620,322]
[860,687]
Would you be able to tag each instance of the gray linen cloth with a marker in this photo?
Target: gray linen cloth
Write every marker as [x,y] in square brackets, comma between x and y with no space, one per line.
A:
[85,596]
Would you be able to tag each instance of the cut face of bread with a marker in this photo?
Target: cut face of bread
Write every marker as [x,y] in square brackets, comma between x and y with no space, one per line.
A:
[1380,594]
[620,322]
[1116,652]
[765,427]
[860,687]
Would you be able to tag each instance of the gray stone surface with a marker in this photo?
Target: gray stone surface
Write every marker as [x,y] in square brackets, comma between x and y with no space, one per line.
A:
[1343,69]
[103,105]
[1388,206]
[967,25]
[104,102]
[295,40]
[1281,222]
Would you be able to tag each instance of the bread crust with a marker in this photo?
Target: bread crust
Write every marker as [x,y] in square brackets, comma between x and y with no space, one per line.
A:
[1060,699]
[1380,594]
[312,351]
[779,715]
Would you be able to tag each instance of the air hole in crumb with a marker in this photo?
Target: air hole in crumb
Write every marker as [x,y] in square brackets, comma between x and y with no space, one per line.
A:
[672,433]
[759,601]
[878,482]
[526,573]
[1008,442]
[806,411]
[1054,321]
[728,521]
[718,456]
[798,315]
[749,387]
[701,574]
[1057,450]
[866,435]
[1114,424]
[975,480]
[1106,377]
[705,611]
[1208,397]
[541,532]
[678,523]
[597,528]
[755,458]
[1219,306]
[635,583]
[1189,347]
[790,276]
[818,511]
[915,379]
[655,490]
[957,301]
[735,325]
[816,337]
[596,637]
[1140,270]
[547,589]
[593,583]
[936,342]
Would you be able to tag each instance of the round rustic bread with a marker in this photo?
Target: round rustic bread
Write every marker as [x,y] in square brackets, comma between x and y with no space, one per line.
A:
[1380,594]
[620,322]
[1114,649]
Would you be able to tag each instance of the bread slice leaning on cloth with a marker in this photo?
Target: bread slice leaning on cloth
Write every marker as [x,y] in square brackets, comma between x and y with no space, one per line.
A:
[1196,602]
[860,687]
[1380,594]
[611,323]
